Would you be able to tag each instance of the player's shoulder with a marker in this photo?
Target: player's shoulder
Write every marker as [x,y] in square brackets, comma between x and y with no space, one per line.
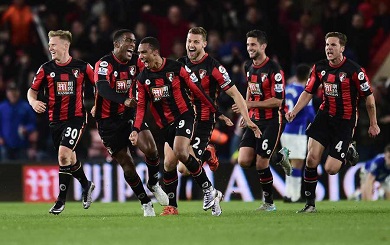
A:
[321,63]
[248,64]
[106,58]
[79,63]
[212,61]
[47,65]
[352,65]
[173,65]
[273,64]
[183,60]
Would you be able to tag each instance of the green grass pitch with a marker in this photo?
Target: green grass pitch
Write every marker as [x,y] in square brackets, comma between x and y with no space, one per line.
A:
[343,222]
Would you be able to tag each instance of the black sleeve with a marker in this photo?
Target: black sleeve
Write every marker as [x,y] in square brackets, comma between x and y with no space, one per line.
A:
[104,90]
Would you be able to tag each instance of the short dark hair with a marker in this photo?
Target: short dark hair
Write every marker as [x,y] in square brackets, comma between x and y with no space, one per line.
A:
[198,30]
[341,36]
[152,41]
[302,72]
[119,33]
[260,35]
[387,148]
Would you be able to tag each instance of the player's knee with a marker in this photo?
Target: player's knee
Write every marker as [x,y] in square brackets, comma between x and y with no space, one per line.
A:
[332,170]
[182,155]
[151,153]
[245,164]
[170,165]
[183,170]
[312,161]
[64,159]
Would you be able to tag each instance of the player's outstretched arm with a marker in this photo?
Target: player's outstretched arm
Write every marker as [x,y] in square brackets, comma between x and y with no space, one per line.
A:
[303,100]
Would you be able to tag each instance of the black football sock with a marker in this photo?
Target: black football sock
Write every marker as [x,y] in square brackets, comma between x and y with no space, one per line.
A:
[206,156]
[65,176]
[266,181]
[198,173]
[170,180]
[153,165]
[78,173]
[278,157]
[310,183]
[136,185]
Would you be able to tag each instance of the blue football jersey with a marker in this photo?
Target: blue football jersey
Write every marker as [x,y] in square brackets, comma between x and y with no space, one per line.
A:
[304,117]
[378,168]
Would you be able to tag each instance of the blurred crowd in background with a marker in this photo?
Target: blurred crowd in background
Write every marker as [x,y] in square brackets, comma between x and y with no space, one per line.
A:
[295,29]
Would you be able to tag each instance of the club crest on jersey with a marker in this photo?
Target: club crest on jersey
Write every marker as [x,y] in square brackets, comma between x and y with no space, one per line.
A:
[160,92]
[52,74]
[170,76]
[202,73]
[76,72]
[132,70]
[263,76]
[342,76]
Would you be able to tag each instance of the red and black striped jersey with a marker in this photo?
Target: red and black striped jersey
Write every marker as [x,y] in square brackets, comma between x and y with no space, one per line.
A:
[212,77]
[342,85]
[265,81]
[63,85]
[167,91]
[121,77]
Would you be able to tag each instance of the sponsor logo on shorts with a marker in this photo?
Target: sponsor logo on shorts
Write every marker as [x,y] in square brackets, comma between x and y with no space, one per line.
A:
[62,187]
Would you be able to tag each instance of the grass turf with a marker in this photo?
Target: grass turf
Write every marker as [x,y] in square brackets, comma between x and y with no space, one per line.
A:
[343,222]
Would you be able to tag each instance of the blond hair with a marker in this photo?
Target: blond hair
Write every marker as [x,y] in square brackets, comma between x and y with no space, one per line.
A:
[64,35]
[198,30]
